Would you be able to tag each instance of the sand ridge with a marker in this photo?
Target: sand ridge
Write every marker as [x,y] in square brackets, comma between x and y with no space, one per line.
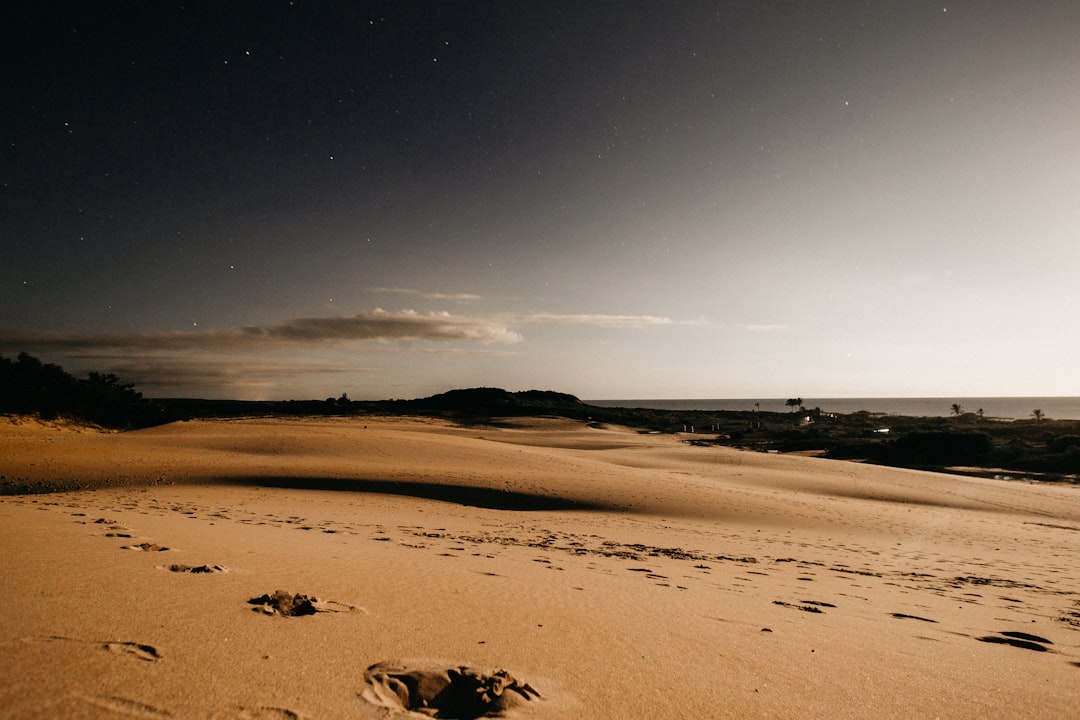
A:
[667,579]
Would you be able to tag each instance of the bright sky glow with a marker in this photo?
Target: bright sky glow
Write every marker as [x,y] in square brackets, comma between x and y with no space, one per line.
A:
[628,200]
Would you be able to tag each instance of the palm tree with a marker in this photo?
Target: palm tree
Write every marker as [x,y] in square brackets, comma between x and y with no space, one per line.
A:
[956,409]
[1037,414]
[792,403]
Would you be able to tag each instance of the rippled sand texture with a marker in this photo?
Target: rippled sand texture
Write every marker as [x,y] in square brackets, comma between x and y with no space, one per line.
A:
[379,567]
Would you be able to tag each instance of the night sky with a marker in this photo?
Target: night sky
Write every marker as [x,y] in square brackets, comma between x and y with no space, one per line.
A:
[737,198]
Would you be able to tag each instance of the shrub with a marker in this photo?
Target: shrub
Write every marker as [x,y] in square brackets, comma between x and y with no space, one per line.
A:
[29,386]
[941,448]
[1062,443]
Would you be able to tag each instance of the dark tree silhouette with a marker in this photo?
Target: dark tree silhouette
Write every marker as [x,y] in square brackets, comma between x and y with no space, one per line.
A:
[938,447]
[29,386]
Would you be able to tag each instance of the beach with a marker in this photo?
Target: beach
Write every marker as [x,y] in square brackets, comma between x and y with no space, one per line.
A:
[533,567]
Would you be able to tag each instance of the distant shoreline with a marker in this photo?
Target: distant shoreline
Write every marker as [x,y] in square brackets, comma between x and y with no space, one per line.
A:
[1040,441]
[1004,408]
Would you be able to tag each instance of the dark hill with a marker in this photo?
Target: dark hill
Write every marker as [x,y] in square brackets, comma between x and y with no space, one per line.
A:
[1039,448]
[495,402]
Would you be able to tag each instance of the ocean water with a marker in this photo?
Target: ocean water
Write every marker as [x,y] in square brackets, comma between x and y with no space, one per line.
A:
[1006,408]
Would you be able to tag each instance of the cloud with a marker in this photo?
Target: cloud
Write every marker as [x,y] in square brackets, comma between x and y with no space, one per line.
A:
[459,297]
[377,324]
[291,357]
[609,321]
[153,374]
[763,327]
[382,325]
[374,325]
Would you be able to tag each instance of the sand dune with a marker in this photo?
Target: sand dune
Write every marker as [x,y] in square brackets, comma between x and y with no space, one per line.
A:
[535,568]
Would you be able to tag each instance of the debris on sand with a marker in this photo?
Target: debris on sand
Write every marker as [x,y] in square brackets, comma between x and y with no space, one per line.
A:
[197,569]
[455,692]
[285,603]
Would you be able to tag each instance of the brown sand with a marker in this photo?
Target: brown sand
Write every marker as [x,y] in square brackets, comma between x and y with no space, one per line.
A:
[613,574]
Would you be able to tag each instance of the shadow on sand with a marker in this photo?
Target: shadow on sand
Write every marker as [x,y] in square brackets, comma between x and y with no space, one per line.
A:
[467,495]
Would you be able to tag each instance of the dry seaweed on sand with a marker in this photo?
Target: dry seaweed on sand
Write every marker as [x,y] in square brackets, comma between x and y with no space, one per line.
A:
[286,604]
[455,692]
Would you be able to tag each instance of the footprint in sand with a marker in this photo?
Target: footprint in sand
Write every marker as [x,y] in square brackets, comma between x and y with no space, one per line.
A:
[260,713]
[1023,640]
[905,616]
[286,604]
[819,603]
[123,706]
[195,569]
[458,691]
[114,529]
[1071,617]
[145,547]
[140,651]
[806,607]
[148,653]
